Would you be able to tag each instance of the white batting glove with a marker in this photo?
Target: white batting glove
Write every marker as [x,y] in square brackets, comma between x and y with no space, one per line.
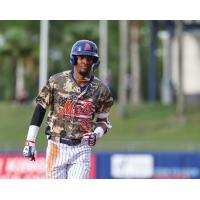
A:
[29,150]
[91,138]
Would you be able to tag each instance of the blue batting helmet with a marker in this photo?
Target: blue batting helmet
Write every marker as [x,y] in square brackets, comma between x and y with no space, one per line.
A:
[84,47]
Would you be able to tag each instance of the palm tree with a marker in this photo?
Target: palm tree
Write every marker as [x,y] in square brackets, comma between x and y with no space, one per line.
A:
[135,95]
[20,47]
[122,86]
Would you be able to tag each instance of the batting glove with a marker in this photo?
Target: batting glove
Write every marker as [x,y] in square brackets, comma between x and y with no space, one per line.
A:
[29,150]
[91,138]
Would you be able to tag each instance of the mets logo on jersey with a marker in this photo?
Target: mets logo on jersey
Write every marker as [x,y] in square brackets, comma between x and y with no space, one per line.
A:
[81,110]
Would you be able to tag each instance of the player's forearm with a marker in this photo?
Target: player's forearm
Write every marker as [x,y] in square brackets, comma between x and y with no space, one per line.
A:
[37,118]
[102,127]
[99,131]
[38,115]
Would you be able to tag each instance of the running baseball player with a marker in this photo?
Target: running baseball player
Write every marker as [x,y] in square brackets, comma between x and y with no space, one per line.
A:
[79,105]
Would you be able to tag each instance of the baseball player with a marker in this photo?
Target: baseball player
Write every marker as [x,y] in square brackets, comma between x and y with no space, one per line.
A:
[79,105]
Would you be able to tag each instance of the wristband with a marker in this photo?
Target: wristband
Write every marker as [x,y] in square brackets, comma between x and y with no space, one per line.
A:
[99,132]
[32,133]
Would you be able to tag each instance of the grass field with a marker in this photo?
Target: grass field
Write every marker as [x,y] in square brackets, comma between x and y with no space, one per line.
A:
[149,127]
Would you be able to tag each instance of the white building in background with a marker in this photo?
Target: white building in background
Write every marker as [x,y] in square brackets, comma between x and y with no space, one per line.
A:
[191,66]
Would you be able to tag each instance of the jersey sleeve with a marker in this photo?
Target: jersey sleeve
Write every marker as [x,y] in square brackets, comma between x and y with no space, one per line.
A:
[105,103]
[44,97]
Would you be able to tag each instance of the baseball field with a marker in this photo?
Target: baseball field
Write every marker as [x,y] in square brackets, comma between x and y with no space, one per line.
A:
[148,127]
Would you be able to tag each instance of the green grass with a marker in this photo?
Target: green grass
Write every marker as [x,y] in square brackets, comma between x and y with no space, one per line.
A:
[149,127]
[14,123]
[153,127]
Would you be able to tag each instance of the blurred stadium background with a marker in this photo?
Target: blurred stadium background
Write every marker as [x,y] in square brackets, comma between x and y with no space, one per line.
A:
[152,69]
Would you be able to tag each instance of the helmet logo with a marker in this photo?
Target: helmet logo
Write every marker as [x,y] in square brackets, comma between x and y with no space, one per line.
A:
[87,47]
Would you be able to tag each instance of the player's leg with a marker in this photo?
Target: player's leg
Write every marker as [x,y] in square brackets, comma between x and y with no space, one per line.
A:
[55,161]
[79,165]
[78,170]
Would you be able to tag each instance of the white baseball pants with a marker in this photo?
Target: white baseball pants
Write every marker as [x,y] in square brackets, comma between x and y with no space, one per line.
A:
[67,162]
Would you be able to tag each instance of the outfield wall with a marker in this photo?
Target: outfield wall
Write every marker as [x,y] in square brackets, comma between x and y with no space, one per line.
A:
[111,165]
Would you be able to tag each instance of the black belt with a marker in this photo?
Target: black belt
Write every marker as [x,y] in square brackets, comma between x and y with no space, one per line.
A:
[56,137]
[70,142]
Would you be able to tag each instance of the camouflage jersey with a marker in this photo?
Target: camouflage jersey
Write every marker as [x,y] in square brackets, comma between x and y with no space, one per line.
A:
[72,112]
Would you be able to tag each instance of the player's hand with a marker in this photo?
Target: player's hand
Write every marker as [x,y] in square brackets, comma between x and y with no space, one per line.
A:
[91,138]
[29,150]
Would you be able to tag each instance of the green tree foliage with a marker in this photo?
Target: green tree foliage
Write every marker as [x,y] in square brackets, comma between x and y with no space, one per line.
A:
[20,40]
[144,56]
